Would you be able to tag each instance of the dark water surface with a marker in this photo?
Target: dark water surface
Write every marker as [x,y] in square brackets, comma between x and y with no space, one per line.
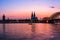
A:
[25,31]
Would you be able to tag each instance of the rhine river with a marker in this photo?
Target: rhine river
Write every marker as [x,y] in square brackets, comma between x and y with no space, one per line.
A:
[26,31]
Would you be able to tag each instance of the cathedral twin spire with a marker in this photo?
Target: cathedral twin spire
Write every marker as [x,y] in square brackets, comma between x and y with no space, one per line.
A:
[33,16]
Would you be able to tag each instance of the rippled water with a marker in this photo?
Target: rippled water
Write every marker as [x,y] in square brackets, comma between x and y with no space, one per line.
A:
[25,31]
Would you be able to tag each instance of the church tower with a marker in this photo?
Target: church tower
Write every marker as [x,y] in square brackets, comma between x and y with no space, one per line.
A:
[33,16]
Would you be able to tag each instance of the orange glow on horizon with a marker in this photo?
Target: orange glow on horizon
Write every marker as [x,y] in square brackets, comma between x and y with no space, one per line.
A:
[40,13]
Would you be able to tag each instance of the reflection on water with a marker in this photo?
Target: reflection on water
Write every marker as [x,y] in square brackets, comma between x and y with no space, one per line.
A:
[35,31]
[55,32]
[4,31]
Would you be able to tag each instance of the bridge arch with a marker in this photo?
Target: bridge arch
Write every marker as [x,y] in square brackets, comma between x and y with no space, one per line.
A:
[55,15]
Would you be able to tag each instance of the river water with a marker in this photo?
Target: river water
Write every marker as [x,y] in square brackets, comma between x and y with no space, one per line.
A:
[26,31]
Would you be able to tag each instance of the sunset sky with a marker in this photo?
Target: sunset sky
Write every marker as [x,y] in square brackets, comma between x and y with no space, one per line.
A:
[24,8]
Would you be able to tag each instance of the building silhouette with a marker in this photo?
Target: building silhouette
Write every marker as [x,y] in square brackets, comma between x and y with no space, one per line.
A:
[33,17]
[3,17]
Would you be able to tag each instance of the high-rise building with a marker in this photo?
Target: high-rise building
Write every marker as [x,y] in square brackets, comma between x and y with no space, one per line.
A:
[3,17]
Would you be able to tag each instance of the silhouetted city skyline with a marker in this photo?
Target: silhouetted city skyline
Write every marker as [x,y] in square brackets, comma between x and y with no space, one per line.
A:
[33,19]
[29,19]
